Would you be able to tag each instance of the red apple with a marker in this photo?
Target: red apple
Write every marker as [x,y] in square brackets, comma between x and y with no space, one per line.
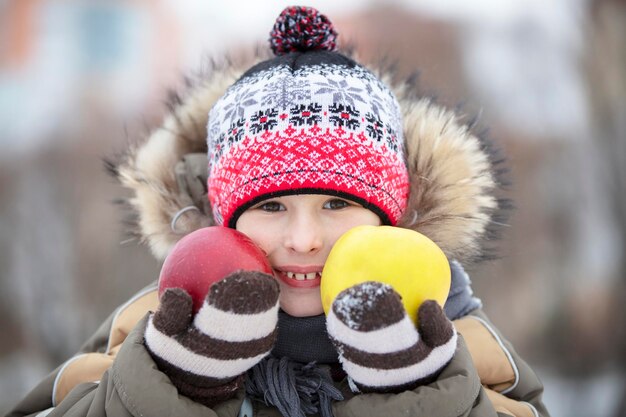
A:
[207,256]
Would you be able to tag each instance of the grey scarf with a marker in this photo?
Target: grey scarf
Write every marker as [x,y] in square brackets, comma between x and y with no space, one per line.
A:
[461,300]
[290,380]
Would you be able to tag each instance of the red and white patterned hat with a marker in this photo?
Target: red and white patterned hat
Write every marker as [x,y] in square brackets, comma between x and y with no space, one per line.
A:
[310,121]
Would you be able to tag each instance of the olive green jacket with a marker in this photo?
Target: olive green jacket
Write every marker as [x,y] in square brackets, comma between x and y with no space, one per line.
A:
[114,375]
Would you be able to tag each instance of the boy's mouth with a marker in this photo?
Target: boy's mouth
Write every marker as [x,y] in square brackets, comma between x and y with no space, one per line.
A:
[300,277]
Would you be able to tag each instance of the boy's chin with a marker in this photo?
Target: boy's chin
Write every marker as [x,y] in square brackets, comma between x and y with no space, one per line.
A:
[302,309]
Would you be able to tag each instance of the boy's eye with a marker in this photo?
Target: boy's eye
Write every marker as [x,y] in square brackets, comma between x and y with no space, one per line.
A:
[336,204]
[271,206]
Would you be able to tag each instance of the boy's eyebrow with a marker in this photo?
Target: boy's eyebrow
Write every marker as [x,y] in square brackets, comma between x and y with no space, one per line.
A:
[269,200]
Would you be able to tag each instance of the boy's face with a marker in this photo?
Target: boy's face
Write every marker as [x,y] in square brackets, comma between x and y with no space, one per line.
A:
[297,232]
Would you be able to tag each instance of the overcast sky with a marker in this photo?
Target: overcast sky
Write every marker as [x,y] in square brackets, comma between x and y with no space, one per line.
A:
[74,38]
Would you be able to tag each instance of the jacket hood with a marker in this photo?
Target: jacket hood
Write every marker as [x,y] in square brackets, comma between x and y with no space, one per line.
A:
[451,171]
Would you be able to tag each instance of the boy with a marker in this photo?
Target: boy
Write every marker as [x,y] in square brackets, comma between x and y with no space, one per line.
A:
[301,148]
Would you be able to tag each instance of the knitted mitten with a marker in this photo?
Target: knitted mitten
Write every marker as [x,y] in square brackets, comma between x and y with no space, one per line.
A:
[206,356]
[378,345]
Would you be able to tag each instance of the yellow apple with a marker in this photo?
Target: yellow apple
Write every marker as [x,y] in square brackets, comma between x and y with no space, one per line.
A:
[407,260]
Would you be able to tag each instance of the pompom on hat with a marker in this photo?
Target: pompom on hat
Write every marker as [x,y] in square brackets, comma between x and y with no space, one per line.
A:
[301,29]
[309,121]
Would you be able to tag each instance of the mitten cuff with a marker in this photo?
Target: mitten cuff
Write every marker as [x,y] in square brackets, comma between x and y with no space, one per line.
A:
[371,373]
[209,396]
[204,357]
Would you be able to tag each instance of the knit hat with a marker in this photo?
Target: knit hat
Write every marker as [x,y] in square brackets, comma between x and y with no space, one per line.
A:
[309,121]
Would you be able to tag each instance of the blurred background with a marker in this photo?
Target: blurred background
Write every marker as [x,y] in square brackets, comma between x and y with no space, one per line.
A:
[79,79]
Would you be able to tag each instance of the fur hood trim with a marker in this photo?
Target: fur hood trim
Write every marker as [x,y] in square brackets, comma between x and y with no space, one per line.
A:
[451,171]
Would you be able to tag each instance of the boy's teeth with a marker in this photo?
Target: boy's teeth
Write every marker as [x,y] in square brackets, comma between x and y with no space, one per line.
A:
[302,277]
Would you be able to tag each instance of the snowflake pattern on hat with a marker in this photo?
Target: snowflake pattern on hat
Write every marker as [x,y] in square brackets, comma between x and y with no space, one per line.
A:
[321,128]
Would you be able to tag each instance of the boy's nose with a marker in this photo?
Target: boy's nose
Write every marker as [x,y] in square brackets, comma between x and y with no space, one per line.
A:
[304,235]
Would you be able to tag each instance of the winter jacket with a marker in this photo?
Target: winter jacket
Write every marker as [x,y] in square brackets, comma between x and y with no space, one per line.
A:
[451,201]
[114,375]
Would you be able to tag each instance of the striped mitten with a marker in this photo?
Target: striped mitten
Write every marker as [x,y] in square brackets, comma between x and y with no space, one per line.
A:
[378,345]
[206,356]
